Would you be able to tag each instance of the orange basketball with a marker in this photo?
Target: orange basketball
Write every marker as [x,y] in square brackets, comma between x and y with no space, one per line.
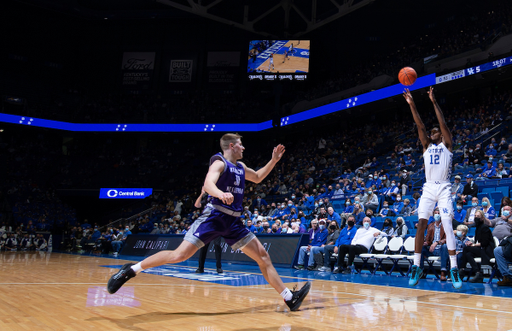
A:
[407,76]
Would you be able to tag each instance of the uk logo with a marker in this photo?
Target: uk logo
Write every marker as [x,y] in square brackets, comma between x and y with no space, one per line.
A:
[445,210]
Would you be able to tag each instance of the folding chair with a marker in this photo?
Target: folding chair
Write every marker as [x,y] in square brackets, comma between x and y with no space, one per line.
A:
[395,247]
[494,265]
[409,246]
[378,245]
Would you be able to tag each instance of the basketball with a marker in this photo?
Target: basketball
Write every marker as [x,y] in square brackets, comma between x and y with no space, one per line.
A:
[407,76]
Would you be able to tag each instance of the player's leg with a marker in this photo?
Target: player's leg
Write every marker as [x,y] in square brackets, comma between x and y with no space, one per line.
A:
[425,210]
[446,210]
[255,250]
[218,254]
[202,258]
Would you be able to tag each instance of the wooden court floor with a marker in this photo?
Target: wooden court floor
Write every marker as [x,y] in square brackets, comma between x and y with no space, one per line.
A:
[53,291]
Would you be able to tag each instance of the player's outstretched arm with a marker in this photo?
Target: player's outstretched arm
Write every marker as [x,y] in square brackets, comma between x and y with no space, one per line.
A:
[258,176]
[447,135]
[197,204]
[210,183]
[422,131]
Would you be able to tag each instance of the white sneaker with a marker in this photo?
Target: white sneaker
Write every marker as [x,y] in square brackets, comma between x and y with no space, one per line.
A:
[115,253]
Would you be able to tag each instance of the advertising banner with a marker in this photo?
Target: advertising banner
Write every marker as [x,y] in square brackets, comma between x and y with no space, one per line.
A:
[223,69]
[125,193]
[137,69]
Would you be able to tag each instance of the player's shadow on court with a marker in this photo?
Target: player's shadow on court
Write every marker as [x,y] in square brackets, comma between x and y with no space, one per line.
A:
[129,322]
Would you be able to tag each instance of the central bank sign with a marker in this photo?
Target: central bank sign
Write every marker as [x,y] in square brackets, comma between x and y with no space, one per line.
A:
[125,193]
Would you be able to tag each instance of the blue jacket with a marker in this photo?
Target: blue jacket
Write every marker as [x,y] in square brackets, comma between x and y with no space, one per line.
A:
[349,209]
[346,236]
[320,237]
[397,207]
[459,216]
[335,217]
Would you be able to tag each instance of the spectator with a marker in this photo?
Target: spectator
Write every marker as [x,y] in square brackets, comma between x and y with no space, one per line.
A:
[469,221]
[404,181]
[251,227]
[459,215]
[358,214]
[40,243]
[457,189]
[489,171]
[435,243]
[11,244]
[26,243]
[461,242]
[349,210]
[369,213]
[489,211]
[407,210]
[397,207]
[401,229]
[317,238]
[503,255]
[502,225]
[117,242]
[332,237]
[505,201]
[417,197]
[333,216]
[370,200]
[385,211]
[391,192]
[483,247]
[501,172]
[387,227]
[362,242]
[508,155]
[470,189]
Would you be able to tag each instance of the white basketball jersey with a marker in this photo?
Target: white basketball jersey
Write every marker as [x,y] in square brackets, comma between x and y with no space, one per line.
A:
[438,163]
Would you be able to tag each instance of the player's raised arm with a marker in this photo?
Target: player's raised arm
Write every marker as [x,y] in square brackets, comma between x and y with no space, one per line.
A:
[258,176]
[422,131]
[447,135]
[211,180]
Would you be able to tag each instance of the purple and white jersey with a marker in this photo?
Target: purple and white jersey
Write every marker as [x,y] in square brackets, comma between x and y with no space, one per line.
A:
[231,180]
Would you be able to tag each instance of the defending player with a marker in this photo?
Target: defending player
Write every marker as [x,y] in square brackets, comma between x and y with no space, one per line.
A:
[225,183]
[271,62]
[437,155]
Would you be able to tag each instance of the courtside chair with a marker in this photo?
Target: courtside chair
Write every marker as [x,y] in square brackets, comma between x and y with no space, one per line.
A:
[380,244]
[395,247]
[409,246]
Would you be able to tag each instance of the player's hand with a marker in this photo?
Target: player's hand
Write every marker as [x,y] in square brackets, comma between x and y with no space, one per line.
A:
[227,198]
[278,152]
[408,96]
[431,94]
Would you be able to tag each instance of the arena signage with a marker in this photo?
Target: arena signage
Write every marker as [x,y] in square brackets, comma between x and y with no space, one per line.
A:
[283,249]
[125,193]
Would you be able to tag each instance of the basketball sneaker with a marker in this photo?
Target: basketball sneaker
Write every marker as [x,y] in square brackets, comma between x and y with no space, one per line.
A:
[456,280]
[119,278]
[298,296]
[416,274]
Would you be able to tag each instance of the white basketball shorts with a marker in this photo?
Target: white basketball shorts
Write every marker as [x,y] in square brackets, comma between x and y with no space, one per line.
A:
[436,192]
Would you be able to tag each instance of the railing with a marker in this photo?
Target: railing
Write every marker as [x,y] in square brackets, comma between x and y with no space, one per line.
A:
[142,213]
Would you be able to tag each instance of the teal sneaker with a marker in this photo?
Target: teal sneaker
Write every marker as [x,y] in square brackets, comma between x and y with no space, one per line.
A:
[416,274]
[456,280]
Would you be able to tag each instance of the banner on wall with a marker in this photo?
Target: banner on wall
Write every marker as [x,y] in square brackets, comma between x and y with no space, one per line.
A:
[181,71]
[223,68]
[137,69]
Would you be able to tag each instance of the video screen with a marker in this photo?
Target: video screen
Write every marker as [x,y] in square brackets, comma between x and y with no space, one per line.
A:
[278,59]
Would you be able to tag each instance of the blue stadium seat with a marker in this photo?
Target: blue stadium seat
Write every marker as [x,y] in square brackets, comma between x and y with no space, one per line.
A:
[504,189]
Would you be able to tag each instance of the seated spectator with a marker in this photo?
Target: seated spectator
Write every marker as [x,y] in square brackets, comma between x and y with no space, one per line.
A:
[489,211]
[250,226]
[435,243]
[501,172]
[11,244]
[349,209]
[358,214]
[333,216]
[332,236]
[508,155]
[401,229]
[391,192]
[503,256]
[345,238]
[362,242]
[370,200]
[387,227]
[458,215]
[397,207]
[502,225]
[470,189]
[40,243]
[369,213]
[405,178]
[266,228]
[469,221]
[457,189]
[407,210]
[483,247]
[26,243]
[461,241]
[385,211]
[488,171]
[490,152]
[417,197]
[117,242]
[317,238]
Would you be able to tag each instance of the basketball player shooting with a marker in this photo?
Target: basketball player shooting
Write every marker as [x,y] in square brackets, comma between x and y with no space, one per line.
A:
[437,155]
[225,183]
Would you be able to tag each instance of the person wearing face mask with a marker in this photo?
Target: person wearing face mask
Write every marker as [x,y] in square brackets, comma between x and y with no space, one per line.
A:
[391,192]
[483,247]
[401,229]
[362,242]
[405,178]
[397,206]
[370,200]
[490,152]
[345,238]
[434,242]
[281,212]
[384,210]
[462,241]
[488,171]
[358,214]
[116,242]
[458,215]
[489,211]
[470,189]
[502,225]
[469,221]
[258,202]
[349,209]
[387,227]
[332,236]
[318,238]
[457,189]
